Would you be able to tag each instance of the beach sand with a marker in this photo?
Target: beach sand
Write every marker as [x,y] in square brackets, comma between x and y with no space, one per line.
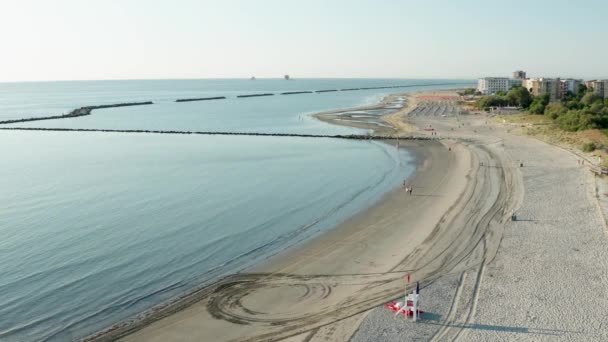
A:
[548,280]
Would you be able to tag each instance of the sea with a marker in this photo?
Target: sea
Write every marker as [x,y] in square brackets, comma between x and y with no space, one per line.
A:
[99,227]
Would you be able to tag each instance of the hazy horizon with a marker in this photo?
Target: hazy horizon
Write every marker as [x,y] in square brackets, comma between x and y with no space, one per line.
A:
[136,40]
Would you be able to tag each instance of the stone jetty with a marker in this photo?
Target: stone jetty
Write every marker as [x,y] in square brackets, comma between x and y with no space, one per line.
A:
[295,135]
[202,99]
[255,95]
[82,111]
[296,92]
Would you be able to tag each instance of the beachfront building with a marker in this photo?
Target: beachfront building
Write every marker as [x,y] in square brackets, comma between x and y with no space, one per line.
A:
[492,85]
[514,83]
[599,87]
[540,86]
[569,85]
[527,83]
[519,75]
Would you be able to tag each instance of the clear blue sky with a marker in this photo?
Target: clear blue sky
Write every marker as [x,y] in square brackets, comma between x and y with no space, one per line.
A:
[131,39]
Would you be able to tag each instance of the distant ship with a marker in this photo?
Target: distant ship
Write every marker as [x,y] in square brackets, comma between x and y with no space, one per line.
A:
[253,78]
[286,77]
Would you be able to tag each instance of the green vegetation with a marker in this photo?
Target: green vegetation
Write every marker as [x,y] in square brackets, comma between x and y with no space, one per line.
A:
[589,147]
[469,91]
[582,111]
[575,112]
[517,96]
[539,104]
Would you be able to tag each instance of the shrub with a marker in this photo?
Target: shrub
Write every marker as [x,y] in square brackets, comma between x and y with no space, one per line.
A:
[554,110]
[589,147]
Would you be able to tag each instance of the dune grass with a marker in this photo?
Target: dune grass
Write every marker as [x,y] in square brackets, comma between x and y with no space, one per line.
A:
[545,129]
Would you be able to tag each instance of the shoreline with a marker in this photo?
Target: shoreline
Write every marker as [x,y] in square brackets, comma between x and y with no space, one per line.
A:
[335,116]
[312,251]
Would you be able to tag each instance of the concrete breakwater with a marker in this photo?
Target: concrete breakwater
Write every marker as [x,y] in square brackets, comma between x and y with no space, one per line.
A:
[82,111]
[295,135]
[348,89]
[296,92]
[202,99]
[255,95]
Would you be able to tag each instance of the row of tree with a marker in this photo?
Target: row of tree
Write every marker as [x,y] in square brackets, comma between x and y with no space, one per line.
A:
[516,97]
[583,110]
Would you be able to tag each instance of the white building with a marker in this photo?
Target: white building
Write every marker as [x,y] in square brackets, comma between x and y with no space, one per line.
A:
[527,83]
[492,85]
[599,87]
[569,85]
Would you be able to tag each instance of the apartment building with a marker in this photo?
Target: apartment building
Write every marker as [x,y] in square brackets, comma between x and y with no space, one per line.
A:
[492,85]
[551,86]
[569,85]
[600,87]
[519,75]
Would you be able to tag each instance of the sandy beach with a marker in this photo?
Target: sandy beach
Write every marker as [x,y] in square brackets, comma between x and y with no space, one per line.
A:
[547,280]
[483,276]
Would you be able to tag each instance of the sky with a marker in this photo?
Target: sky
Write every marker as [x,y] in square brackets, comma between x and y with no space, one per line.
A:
[132,39]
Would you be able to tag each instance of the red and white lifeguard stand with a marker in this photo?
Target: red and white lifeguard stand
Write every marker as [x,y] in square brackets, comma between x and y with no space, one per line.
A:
[410,307]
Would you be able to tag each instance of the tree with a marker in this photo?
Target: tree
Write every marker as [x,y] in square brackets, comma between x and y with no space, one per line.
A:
[519,96]
[539,103]
[589,98]
[582,90]
[490,101]
[597,107]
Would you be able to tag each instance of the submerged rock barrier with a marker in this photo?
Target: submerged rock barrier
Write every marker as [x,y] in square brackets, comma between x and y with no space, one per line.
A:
[297,92]
[296,135]
[82,111]
[202,99]
[255,95]
[350,89]
[325,90]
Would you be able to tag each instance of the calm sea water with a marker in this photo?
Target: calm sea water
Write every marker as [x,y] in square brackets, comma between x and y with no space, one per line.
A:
[98,227]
